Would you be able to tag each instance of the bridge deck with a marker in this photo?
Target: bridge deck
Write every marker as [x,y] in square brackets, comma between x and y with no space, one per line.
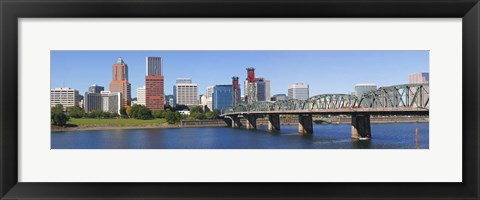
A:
[346,111]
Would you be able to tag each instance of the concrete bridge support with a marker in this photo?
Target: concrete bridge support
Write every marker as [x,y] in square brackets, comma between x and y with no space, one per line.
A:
[305,124]
[273,122]
[361,127]
[236,122]
[251,121]
[228,121]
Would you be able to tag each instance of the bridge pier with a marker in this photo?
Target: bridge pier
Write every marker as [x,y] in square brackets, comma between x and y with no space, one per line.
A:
[361,127]
[305,124]
[273,122]
[228,121]
[251,121]
[236,122]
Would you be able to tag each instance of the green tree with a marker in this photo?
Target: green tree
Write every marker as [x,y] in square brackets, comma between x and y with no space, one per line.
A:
[123,112]
[75,112]
[140,112]
[172,117]
[57,117]
[129,111]
[210,115]
[207,109]
[196,115]
[159,114]
[196,109]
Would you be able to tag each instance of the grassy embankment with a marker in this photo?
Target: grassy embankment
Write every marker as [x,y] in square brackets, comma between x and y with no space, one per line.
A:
[115,122]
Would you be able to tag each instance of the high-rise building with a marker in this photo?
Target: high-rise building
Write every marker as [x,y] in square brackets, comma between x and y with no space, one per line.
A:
[154,84]
[186,93]
[106,101]
[250,86]
[267,90]
[95,89]
[298,91]
[261,87]
[419,78]
[154,66]
[141,97]
[278,97]
[236,94]
[222,97]
[209,95]
[363,88]
[67,97]
[120,82]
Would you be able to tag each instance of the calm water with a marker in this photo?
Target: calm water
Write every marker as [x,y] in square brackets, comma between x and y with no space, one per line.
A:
[384,136]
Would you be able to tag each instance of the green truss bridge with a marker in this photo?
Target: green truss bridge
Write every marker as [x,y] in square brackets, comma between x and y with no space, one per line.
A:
[407,99]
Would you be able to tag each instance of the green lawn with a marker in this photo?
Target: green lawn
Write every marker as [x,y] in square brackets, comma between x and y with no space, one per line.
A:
[115,122]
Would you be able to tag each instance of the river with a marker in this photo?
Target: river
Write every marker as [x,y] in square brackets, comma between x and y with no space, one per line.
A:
[325,136]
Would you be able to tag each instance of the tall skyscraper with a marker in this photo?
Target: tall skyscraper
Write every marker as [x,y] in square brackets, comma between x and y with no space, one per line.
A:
[154,66]
[105,101]
[250,86]
[120,82]
[95,89]
[419,78]
[236,94]
[222,97]
[363,88]
[154,84]
[298,91]
[141,97]
[186,92]
[67,97]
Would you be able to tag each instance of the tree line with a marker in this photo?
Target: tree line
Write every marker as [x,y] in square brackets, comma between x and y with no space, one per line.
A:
[170,114]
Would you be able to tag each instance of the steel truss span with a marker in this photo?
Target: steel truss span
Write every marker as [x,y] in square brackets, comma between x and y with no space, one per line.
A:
[396,99]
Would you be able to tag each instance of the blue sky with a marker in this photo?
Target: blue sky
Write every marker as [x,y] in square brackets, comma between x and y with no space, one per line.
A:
[324,71]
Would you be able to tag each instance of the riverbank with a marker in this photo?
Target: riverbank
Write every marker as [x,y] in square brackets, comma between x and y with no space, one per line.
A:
[117,124]
[112,124]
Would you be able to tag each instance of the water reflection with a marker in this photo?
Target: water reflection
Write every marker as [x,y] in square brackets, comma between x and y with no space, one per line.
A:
[325,136]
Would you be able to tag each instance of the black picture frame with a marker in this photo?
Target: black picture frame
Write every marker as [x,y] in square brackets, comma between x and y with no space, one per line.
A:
[12,10]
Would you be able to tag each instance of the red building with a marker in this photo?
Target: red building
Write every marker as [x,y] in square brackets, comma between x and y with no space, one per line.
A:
[120,82]
[154,84]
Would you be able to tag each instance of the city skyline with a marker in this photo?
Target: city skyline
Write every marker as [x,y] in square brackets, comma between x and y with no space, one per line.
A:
[323,71]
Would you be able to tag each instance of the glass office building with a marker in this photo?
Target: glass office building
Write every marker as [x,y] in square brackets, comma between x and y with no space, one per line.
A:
[222,97]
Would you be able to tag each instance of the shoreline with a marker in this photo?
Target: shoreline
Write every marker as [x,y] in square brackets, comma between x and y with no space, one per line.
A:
[168,126]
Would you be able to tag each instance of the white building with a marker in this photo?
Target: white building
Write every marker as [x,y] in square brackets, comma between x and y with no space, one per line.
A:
[67,97]
[186,94]
[298,91]
[141,97]
[209,96]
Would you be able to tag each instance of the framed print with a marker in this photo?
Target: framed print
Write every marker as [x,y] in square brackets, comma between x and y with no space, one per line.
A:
[225,99]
